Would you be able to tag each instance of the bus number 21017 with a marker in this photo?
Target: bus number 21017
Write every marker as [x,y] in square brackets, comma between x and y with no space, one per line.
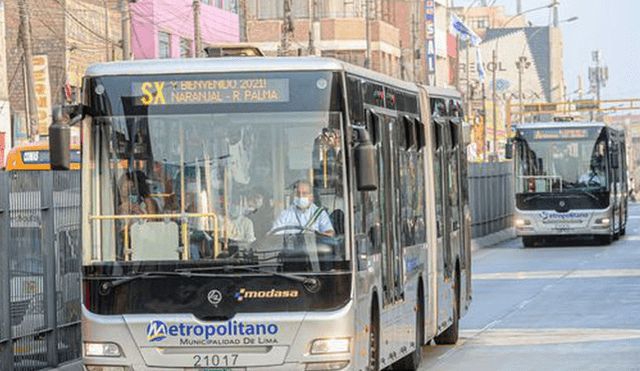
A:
[215,360]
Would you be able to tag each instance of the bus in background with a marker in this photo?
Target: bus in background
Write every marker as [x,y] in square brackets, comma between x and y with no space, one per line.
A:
[570,180]
[35,156]
[365,174]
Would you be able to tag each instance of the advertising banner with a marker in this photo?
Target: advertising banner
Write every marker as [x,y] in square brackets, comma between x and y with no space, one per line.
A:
[43,92]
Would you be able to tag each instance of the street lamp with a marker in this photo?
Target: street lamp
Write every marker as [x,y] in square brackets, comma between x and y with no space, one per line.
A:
[494,58]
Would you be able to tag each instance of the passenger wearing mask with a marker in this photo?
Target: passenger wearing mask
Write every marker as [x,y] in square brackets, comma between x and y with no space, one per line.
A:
[303,215]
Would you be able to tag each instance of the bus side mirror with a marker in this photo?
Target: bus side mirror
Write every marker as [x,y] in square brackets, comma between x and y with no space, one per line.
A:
[615,159]
[615,156]
[508,149]
[364,154]
[60,135]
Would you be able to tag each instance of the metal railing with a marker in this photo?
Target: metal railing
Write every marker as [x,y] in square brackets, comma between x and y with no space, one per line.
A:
[491,197]
[40,292]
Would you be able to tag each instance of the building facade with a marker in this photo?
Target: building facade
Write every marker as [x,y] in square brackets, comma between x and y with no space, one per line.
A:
[525,61]
[69,35]
[166,28]
[396,39]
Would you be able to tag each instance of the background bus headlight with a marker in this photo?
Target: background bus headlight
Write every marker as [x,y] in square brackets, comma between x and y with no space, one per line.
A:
[326,346]
[102,350]
[107,368]
[522,222]
[603,221]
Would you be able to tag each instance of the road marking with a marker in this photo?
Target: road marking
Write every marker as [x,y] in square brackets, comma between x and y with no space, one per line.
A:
[558,274]
[544,336]
[631,238]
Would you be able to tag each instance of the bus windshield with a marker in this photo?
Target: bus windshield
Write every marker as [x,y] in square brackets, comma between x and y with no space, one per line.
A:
[561,159]
[220,188]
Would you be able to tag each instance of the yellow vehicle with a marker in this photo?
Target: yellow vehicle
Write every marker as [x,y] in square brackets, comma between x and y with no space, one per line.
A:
[35,156]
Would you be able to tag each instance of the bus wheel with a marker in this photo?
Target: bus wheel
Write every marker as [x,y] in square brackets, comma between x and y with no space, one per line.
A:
[528,241]
[450,335]
[605,240]
[411,362]
[374,341]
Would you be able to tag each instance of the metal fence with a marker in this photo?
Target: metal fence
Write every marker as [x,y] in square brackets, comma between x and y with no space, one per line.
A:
[39,269]
[491,197]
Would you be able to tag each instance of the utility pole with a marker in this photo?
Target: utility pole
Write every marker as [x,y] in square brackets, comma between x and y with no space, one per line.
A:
[367,54]
[598,76]
[287,28]
[494,59]
[314,30]
[125,15]
[32,107]
[243,20]
[196,29]
[106,31]
[413,43]
[521,64]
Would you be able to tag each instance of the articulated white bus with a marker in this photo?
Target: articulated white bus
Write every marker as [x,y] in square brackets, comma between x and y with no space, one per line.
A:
[268,214]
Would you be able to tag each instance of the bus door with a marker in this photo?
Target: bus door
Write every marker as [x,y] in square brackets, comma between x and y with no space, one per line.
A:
[452,198]
[391,253]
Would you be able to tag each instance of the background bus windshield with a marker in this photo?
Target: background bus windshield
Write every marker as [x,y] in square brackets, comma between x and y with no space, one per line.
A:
[561,159]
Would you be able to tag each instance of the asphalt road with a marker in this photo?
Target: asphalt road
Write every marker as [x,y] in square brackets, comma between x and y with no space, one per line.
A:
[571,305]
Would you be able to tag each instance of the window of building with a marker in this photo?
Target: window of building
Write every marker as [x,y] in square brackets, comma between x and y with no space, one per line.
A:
[479,22]
[185,48]
[164,44]
[220,4]
[208,2]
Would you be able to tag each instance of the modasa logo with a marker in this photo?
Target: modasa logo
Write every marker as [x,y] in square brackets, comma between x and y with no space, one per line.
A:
[244,294]
[158,330]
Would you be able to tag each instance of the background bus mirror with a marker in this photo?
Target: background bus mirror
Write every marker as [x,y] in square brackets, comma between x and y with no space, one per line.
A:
[540,166]
[508,149]
[364,154]
[59,143]
[615,159]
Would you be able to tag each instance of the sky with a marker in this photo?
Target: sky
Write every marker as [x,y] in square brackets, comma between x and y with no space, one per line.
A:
[611,26]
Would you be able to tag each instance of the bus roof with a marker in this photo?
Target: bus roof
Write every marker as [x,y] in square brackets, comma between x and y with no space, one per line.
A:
[237,64]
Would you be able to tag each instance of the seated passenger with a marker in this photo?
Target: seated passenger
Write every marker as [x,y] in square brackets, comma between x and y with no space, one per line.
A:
[135,197]
[303,214]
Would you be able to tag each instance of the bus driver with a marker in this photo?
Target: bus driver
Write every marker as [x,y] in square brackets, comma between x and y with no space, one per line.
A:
[303,214]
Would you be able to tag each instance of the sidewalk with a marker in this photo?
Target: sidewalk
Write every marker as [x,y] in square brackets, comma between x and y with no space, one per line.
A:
[493,239]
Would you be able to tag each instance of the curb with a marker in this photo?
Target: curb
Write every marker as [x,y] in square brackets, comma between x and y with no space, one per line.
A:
[493,239]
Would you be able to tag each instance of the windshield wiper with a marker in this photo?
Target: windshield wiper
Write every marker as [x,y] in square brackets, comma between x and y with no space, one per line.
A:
[532,197]
[107,286]
[311,284]
[587,193]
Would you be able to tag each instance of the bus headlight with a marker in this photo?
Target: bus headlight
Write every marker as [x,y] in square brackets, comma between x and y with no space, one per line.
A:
[603,221]
[106,368]
[326,346]
[522,222]
[102,350]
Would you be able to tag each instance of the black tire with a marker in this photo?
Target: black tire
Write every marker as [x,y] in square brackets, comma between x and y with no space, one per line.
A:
[374,340]
[450,335]
[528,241]
[604,239]
[411,362]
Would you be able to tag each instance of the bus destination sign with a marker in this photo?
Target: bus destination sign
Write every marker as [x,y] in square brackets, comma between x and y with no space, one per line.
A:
[568,133]
[210,91]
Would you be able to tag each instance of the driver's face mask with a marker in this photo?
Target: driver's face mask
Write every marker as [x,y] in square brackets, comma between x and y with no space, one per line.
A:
[301,202]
